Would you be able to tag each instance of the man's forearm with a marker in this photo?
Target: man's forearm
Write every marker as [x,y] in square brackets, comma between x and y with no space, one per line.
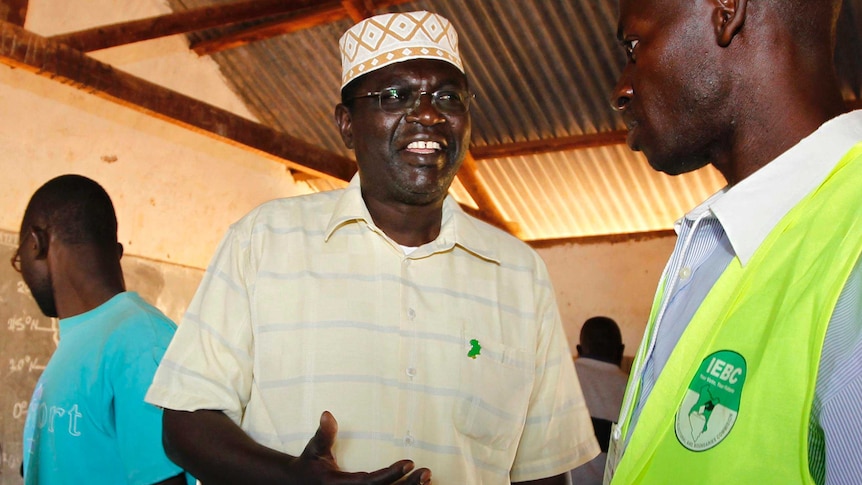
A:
[215,450]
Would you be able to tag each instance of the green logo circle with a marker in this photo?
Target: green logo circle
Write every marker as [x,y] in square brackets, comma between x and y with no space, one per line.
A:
[711,403]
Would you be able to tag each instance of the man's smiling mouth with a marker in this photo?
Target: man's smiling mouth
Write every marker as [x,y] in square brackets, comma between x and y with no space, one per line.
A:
[424,147]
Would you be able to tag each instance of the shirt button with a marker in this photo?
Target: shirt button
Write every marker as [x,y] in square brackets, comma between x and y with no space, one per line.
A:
[684,273]
[411,371]
[411,313]
[408,440]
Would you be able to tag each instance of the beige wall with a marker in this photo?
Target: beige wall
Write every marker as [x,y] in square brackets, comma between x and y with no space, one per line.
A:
[175,191]
[617,280]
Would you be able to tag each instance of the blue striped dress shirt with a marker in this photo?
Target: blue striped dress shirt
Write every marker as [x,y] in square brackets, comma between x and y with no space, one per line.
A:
[732,224]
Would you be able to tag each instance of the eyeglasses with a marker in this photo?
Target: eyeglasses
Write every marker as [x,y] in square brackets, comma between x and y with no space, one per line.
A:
[403,100]
[16,258]
[16,261]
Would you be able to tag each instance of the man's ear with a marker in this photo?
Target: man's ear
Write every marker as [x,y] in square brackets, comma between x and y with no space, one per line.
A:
[345,124]
[40,240]
[728,19]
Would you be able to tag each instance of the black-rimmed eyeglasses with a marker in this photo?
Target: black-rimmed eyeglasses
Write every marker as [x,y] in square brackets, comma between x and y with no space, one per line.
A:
[16,261]
[16,258]
[405,100]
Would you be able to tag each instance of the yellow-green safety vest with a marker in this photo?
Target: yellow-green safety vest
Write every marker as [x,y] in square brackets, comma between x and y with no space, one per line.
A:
[733,402]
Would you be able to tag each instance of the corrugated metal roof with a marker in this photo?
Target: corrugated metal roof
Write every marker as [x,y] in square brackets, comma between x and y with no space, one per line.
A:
[542,70]
[595,191]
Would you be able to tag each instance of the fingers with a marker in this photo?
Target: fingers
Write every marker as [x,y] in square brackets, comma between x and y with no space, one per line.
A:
[327,421]
[397,474]
[319,448]
[421,476]
[320,445]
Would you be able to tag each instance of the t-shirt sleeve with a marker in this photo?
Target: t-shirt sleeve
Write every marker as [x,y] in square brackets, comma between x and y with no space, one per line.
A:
[208,364]
[138,425]
[558,434]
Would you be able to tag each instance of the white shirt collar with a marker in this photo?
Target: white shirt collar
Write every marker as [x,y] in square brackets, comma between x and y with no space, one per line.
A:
[750,210]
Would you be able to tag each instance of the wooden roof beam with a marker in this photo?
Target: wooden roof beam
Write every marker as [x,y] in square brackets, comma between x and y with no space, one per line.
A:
[25,50]
[488,210]
[325,11]
[14,11]
[534,147]
[178,23]
[358,10]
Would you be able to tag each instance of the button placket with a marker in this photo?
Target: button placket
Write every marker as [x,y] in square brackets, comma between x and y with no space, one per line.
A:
[411,341]
[684,273]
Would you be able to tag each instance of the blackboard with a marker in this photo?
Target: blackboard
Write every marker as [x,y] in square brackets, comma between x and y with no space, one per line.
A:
[28,338]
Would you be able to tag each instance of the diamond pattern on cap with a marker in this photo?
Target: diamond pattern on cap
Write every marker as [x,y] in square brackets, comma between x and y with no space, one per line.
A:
[385,39]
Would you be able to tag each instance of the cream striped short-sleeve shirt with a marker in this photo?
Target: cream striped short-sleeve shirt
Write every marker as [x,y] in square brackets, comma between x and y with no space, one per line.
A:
[453,356]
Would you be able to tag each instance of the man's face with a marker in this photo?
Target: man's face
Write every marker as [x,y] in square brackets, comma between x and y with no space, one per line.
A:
[407,158]
[34,270]
[672,92]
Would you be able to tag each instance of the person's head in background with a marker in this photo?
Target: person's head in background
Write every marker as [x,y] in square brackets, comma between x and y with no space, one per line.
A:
[404,110]
[729,83]
[68,252]
[601,340]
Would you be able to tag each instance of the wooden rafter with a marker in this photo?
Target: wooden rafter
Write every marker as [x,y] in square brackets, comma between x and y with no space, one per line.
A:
[25,50]
[179,23]
[358,10]
[14,11]
[325,11]
[488,210]
[287,16]
[549,145]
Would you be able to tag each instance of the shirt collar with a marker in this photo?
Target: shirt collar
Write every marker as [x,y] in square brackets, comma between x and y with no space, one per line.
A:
[457,228]
[749,210]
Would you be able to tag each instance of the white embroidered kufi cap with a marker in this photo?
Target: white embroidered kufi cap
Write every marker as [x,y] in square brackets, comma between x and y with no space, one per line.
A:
[385,39]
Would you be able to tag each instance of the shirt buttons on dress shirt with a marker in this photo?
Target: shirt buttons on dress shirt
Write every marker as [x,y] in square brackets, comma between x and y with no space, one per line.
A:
[411,313]
[408,440]
[411,371]
[684,273]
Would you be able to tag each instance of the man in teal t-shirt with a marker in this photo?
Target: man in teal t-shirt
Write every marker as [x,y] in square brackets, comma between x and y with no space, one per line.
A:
[87,421]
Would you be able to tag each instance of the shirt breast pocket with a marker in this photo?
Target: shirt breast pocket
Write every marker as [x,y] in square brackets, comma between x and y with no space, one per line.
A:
[493,393]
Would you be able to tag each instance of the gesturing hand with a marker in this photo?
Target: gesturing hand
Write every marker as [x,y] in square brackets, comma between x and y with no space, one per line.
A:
[317,464]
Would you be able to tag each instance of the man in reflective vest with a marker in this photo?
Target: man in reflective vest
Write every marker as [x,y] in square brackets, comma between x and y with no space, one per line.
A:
[749,368]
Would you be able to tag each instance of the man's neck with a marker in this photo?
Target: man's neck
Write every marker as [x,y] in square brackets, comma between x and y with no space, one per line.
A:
[83,279]
[408,225]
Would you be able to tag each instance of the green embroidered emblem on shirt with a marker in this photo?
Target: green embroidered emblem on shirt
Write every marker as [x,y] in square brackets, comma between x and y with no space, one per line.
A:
[475,349]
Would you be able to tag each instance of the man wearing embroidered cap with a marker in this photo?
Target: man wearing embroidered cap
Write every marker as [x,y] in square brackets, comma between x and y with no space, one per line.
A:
[433,337]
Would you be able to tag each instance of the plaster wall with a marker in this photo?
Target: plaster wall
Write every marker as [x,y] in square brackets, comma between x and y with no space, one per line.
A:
[175,191]
[616,280]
